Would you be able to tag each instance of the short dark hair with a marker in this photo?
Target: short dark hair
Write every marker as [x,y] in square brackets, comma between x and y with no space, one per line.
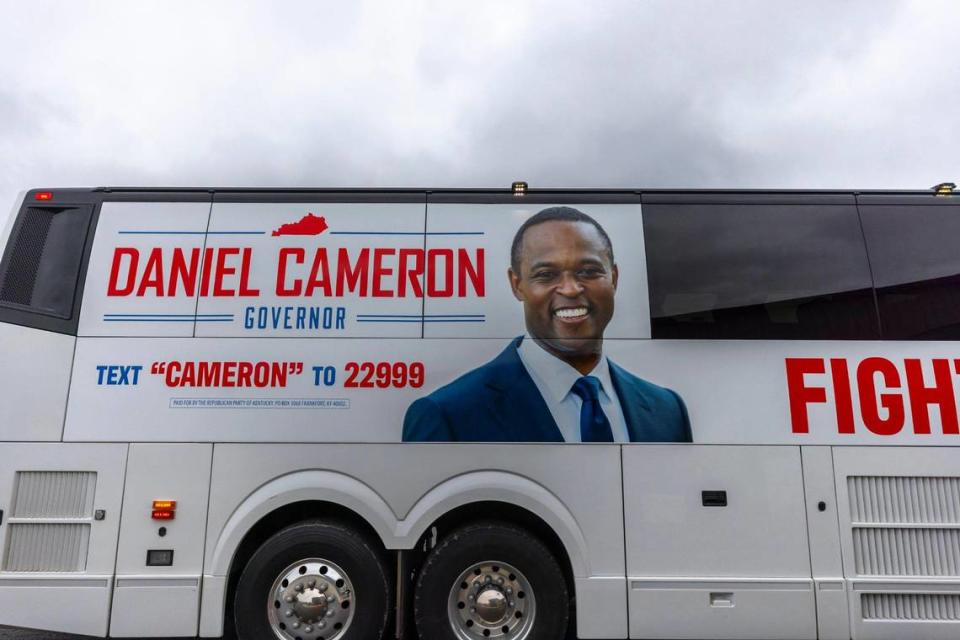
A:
[554,214]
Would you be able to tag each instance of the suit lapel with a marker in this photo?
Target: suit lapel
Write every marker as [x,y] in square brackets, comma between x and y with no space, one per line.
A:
[636,411]
[519,408]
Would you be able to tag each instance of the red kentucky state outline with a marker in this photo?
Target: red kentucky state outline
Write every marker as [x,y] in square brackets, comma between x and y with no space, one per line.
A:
[308,225]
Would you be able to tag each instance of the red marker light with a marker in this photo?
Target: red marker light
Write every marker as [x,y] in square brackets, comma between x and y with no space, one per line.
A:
[43,195]
[164,509]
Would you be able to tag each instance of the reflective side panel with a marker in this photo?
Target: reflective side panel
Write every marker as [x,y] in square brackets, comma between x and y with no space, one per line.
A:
[146,269]
[33,383]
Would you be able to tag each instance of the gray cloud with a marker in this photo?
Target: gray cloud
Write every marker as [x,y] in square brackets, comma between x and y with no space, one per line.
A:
[682,94]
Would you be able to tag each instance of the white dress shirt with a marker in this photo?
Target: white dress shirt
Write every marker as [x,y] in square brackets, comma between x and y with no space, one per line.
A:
[555,378]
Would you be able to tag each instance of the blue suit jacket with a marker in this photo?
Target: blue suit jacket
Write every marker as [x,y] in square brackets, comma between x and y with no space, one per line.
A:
[499,402]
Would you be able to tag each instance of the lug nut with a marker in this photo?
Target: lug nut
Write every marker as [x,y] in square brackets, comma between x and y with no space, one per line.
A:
[288,599]
[288,612]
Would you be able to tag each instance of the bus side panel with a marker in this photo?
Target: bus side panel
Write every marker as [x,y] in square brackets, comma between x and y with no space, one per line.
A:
[403,488]
[161,599]
[833,617]
[34,380]
[717,542]
[900,535]
[61,506]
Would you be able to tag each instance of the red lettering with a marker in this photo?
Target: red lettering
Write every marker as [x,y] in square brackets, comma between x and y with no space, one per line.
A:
[206,271]
[841,389]
[171,378]
[189,378]
[319,274]
[800,394]
[413,273]
[209,374]
[180,272]
[261,374]
[299,256]
[355,276]
[380,272]
[245,289]
[113,288]
[219,291]
[433,257]
[244,372]
[278,375]
[940,394]
[152,274]
[228,374]
[466,269]
[892,402]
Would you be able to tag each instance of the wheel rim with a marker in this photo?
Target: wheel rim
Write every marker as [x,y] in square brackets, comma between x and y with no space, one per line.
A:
[312,599]
[491,600]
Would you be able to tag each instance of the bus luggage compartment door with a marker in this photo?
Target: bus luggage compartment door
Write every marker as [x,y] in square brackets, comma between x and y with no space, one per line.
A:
[717,542]
[900,535]
[61,514]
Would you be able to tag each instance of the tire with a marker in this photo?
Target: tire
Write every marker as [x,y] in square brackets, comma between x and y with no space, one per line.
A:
[314,580]
[521,595]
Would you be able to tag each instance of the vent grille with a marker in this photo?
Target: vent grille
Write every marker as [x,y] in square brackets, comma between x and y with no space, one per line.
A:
[907,552]
[54,494]
[49,528]
[911,606]
[25,253]
[47,547]
[901,500]
[905,526]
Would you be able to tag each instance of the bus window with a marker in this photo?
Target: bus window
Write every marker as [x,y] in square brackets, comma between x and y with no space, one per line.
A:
[745,268]
[916,267]
[39,270]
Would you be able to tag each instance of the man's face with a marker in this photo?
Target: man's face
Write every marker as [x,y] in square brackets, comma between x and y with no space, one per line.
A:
[567,285]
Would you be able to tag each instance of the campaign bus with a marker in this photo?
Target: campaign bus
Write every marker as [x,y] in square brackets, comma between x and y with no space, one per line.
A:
[352,414]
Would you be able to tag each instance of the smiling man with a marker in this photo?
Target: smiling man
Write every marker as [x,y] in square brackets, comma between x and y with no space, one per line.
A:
[554,384]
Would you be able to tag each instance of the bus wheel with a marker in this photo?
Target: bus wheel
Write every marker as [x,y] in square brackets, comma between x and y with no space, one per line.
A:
[491,581]
[313,580]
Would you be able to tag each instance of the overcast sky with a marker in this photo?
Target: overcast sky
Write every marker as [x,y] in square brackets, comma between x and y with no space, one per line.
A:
[586,94]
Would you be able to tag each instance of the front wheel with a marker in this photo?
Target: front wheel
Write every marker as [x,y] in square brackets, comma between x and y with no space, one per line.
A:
[491,581]
[313,581]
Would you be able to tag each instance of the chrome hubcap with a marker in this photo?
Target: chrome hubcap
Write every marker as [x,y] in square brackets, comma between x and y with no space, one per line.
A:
[311,599]
[491,600]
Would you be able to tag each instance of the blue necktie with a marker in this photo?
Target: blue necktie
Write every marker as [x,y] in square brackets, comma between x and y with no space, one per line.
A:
[594,426]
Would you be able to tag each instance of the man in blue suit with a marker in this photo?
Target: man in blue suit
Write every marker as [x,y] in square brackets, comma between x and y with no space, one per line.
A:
[555,385]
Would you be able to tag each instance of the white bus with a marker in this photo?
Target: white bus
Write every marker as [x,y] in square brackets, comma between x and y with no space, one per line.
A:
[458,414]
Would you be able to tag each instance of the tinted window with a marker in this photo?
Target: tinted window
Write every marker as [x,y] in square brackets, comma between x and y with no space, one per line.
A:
[757,271]
[42,260]
[916,267]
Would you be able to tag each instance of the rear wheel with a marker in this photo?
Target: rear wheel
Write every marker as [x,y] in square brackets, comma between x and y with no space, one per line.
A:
[491,581]
[314,581]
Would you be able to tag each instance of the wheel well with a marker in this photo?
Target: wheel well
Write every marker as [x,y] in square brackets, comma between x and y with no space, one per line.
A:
[503,512]
[283,517]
